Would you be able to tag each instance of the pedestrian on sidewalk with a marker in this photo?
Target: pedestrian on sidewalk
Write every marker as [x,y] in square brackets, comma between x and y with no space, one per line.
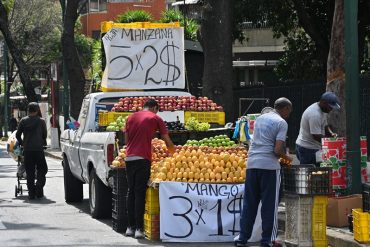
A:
[314,126]
[263,179]
[139,131]
[34,133]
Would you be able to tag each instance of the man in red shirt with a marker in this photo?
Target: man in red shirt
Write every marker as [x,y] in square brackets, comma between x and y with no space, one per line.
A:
[140,130]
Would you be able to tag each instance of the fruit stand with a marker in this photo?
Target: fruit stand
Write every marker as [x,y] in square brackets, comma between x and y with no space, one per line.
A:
[203,180]
[205,158]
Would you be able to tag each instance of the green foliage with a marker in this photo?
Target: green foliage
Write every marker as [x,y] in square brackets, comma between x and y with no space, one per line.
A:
[191,26]
[171,15]
[134,16]
[37,36]
[96,72]
[300,60]
[84,48]
[8,5]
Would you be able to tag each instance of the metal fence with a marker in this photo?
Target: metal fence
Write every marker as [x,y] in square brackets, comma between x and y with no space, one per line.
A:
[302,95]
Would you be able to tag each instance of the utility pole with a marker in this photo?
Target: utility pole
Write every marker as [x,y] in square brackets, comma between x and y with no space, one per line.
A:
[352,96]
[6,90]
[65,75]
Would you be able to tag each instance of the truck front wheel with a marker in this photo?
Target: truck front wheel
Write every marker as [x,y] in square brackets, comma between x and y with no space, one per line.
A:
[73,190]
[100,197]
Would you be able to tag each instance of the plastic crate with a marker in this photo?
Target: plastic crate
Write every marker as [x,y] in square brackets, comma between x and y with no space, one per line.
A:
[320,243]
[119,207]
[319,218]
[366,197]
[361,225]
[107,117]
[307,180]
[298,210]
[152,201]
[209,117]
[152,196]
[120,186]
[151,226]
[119,225]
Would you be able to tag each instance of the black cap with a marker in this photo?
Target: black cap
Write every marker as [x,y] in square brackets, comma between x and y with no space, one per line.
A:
[331,99]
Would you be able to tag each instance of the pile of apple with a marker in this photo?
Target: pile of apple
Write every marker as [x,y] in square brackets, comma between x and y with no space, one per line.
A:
[167,103]
[216,141]
[118,125]
[202,164]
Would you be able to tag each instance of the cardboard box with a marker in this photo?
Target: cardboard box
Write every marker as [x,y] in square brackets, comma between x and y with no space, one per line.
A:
[340,207]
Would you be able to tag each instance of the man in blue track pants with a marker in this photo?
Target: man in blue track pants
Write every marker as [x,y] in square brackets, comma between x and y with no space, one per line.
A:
[263,174]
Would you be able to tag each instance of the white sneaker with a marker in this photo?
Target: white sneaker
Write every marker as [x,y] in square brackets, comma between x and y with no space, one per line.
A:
[139,234]
[129,232]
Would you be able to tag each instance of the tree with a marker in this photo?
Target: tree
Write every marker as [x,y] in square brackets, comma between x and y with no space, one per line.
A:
[76,76]
[16,54]
[36,36]
[314,19]
[216,40]
[335,81]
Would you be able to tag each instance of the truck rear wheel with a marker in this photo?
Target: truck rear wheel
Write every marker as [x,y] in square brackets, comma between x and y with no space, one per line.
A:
[100,197]
[73,190]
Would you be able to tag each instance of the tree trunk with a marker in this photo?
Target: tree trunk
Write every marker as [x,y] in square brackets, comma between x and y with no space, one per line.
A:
[216,40]
[336,70]
[76,75]
[17,56]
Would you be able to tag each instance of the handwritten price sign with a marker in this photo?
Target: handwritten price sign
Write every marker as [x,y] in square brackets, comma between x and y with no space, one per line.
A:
[144,58]
[197,212]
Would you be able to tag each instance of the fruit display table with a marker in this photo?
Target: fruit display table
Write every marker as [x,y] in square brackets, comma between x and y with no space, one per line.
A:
[200,193]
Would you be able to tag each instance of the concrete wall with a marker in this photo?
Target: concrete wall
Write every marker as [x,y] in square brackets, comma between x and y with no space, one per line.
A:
[259,40]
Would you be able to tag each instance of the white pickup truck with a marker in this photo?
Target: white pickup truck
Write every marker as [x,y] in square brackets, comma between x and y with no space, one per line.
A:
[87,153]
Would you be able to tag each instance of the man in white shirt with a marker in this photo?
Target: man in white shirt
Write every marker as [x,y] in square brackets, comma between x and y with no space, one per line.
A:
[314,126]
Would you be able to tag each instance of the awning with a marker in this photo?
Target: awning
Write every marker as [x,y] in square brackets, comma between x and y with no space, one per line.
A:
[185,2]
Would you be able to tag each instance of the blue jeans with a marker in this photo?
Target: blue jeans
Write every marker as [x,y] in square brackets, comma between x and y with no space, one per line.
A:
[306,156]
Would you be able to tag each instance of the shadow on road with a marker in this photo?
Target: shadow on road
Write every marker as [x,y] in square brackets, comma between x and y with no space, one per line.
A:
[43,200]
[85,208]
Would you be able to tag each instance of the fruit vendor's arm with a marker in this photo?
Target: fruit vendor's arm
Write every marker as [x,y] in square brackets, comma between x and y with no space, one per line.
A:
[280,150]
[329,132]
[171,147]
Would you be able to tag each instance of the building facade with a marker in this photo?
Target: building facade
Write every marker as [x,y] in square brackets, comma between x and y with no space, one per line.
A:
[97,11]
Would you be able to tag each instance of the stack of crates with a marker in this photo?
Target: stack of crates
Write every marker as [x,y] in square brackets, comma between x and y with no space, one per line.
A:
[306,190]
[151,216]
[119,196]
[318,221]
[298,210]
[361,225]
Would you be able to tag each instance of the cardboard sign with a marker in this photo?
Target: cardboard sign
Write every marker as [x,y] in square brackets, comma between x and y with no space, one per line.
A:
[144,58]
[198,212]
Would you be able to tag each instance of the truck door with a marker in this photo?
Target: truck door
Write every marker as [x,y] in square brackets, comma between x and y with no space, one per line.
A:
[76,162]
